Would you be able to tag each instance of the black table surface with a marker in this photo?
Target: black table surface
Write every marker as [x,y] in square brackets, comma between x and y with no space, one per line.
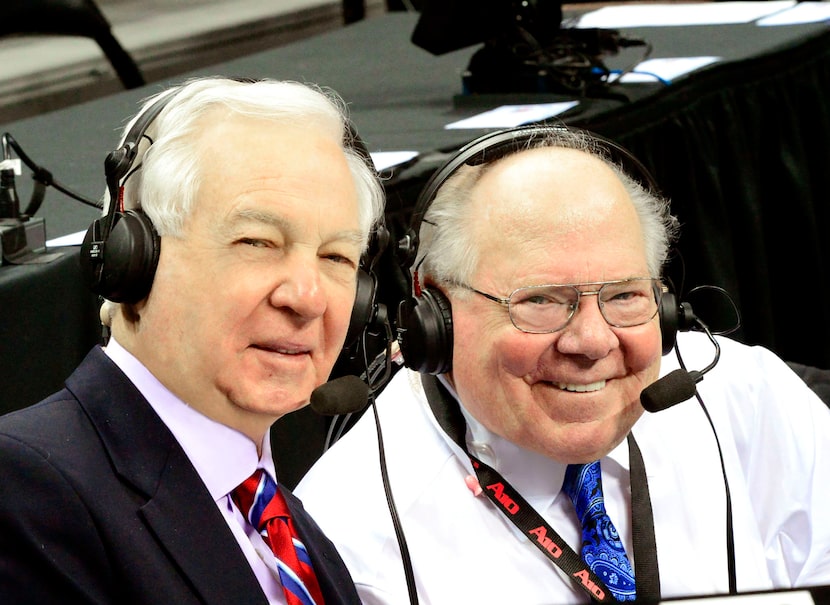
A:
[400,95]
[741,147]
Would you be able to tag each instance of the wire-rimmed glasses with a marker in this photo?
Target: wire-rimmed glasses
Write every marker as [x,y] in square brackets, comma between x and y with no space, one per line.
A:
[624,303]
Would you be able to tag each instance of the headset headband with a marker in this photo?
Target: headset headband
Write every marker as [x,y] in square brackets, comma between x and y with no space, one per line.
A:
[119,161]
[500,144]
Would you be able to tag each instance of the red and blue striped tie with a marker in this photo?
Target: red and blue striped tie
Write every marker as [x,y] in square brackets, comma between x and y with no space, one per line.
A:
[602,548]
[263,505]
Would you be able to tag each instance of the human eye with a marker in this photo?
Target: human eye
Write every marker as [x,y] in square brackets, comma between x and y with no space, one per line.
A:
[340,255]
[626,293]
[254,242]
[542,297]
[340,259]
[342,248]
[257,245]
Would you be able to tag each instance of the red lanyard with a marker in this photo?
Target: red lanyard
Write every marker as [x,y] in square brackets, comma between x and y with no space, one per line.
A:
[538,531]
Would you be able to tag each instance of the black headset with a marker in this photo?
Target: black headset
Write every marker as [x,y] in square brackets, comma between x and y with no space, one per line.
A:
[424,321]
[120,251]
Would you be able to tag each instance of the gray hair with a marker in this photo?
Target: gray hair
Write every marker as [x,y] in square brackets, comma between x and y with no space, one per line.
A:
[448,252]
[166,185]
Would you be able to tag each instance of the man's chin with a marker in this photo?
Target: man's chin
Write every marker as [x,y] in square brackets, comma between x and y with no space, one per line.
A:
[584,442]
[274,398]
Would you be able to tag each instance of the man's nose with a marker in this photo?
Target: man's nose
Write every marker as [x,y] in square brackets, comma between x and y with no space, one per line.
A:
[588,333]
[301,288]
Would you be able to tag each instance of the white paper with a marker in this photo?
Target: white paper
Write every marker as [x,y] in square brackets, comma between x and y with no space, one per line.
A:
[661,15]
[73,239]
[508,116]
[786,597]
[388,159]
[666,70]
[803,12]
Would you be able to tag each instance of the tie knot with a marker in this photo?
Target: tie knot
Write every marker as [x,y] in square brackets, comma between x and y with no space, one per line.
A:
[258,499]
[261,502]
[583,484]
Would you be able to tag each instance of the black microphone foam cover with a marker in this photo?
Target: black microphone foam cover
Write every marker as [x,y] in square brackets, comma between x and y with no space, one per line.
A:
[669,390]
[342,395]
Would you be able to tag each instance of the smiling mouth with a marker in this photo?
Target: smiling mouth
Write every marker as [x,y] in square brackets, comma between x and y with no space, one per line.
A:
[580,388]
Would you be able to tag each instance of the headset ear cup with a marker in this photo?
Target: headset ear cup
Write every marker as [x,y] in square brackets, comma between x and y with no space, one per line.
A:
[364,309]
[425,332]
[669,320]
[130,257]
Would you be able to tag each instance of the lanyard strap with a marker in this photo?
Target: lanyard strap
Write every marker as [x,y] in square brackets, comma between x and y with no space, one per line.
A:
[538,531]
[647,571]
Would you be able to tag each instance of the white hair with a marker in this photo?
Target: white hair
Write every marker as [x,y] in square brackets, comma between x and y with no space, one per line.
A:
[164,179]
[448,251]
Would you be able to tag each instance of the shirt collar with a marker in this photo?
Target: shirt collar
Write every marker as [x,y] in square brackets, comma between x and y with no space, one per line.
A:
[223,457]
[522,468]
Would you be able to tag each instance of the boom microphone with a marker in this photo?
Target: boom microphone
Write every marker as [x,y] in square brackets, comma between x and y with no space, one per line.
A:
[679,385]
[671,389]
[343,395]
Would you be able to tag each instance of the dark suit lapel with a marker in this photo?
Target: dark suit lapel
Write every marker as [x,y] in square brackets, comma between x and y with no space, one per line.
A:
[179,510]
[335,582]
[196,536]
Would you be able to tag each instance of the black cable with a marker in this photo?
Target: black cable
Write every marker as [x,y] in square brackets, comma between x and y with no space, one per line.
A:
[393,511]
[387,488]
[631,66]
[726,294]
[98,204]
[730,538]
[43,178]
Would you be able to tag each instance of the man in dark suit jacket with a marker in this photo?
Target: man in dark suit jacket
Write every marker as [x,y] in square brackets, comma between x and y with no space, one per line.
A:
[229,274]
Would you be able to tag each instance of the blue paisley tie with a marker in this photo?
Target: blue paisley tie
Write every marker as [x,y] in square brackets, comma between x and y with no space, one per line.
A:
[602,549]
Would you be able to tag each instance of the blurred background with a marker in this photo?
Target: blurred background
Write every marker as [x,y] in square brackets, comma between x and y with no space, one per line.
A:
[39,73]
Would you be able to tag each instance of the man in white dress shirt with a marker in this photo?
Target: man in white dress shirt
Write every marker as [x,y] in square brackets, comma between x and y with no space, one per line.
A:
[535,325]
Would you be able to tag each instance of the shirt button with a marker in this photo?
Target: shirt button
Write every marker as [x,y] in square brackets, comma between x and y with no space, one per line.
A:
[483,452]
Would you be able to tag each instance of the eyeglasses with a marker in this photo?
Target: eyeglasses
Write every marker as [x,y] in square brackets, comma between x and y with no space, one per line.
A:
[624,303]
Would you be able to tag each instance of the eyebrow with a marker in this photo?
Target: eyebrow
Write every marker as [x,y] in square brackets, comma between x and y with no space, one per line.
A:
[252,215]
[280,223]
